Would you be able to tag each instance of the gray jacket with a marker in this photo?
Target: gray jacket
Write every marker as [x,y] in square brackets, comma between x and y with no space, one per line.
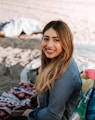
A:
[60,101]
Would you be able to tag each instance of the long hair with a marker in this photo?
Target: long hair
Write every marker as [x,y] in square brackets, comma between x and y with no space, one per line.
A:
[52,70]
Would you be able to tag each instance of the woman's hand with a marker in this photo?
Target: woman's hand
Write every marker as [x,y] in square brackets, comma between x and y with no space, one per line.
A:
[26,112]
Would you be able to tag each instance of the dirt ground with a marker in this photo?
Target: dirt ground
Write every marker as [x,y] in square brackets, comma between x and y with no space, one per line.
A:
[17,53]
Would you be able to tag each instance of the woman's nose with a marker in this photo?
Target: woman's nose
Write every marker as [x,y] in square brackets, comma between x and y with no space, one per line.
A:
[50,43]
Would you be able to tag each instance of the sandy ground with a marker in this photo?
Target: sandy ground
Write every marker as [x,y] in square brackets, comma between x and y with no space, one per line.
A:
[79,14]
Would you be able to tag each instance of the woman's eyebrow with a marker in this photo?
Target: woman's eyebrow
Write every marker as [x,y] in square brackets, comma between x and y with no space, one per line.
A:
[52,37]
[45,36]
[56,37]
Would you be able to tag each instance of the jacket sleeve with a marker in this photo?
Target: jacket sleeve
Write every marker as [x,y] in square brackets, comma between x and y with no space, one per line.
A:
[58,96]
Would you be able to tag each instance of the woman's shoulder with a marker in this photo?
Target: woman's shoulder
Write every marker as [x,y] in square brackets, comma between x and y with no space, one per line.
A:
[73,68]
[73,72]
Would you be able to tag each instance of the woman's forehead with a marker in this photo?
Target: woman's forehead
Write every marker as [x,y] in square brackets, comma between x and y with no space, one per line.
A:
[51,32]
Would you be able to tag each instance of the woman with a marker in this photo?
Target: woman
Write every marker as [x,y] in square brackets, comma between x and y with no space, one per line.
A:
[58,85]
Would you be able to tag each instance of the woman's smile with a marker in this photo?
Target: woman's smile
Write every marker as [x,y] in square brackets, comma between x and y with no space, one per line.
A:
[50,51]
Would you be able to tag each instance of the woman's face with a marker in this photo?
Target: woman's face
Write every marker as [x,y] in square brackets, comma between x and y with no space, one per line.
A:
[51,44]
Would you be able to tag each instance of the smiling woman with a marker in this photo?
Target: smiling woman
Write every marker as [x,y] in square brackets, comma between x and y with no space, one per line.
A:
[58,85]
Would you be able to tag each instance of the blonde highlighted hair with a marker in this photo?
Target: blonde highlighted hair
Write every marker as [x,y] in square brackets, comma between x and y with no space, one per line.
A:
[52,70]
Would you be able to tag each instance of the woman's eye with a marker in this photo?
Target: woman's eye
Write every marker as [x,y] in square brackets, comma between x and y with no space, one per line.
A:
[56,40]
[45,39]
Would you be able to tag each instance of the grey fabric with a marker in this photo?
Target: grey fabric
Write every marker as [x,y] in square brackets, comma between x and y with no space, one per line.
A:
[32,74]
[62,98]
[18,25]
[29,73]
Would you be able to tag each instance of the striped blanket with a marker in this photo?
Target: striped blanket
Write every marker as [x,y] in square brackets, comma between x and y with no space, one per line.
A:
[16,97]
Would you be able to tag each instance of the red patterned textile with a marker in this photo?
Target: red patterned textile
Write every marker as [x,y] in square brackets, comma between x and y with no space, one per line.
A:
[16,97]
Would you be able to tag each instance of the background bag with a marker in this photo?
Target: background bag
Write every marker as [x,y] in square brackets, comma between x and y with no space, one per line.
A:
[81,109]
